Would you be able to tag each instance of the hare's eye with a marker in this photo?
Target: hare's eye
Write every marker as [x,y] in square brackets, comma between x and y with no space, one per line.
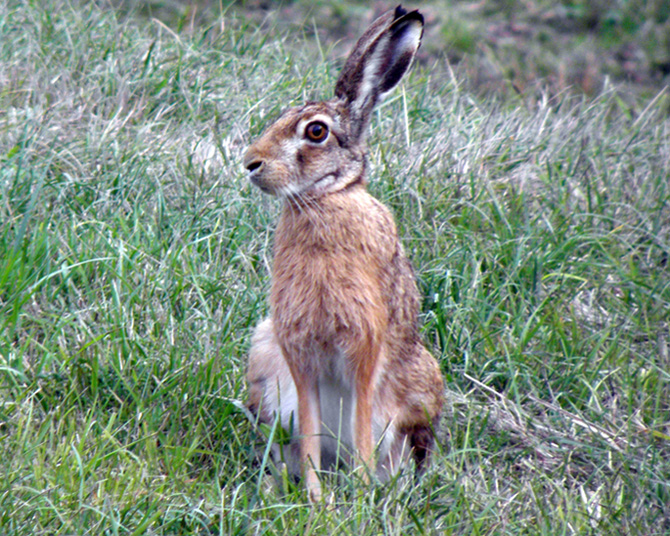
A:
[316,131]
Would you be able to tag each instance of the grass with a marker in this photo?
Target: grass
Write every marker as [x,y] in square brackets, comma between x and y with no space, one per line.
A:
[134,263]
[501,46]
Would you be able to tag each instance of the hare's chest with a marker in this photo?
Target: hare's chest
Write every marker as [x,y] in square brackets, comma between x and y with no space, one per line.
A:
[328,287]
[324,294]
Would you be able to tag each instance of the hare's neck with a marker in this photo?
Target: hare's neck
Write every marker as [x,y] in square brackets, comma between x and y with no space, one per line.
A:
[324,220]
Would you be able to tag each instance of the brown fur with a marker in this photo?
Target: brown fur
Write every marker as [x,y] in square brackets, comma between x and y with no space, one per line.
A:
[344,301]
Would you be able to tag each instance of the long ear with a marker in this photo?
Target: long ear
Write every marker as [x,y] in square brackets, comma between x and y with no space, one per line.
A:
[377,63]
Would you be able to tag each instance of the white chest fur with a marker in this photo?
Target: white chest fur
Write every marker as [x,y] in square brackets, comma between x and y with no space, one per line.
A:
[337,401]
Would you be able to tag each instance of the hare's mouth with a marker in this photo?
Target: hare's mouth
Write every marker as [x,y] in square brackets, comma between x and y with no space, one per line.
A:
[262,186]
[253,177]
[258,183]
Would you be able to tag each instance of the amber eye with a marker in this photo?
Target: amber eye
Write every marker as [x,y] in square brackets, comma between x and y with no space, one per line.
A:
[316,131]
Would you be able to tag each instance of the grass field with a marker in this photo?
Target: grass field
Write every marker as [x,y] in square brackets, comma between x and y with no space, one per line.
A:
[134,263]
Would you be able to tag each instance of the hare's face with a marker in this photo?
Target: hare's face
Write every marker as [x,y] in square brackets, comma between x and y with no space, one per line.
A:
[305,153]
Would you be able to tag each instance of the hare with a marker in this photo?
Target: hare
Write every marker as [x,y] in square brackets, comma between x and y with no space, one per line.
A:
[340,360]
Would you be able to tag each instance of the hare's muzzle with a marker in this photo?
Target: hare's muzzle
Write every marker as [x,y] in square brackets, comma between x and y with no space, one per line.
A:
[256,167]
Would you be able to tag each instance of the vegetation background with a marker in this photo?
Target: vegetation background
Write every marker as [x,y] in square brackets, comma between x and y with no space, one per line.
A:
[527,161]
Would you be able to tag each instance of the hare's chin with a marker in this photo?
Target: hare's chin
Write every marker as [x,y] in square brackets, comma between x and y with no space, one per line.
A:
[323,184]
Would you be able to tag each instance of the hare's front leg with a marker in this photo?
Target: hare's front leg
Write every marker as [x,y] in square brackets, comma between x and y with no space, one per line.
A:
[363,426]
[368,358]
[309,418]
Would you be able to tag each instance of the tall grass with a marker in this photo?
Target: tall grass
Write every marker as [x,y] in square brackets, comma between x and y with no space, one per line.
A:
[135,259]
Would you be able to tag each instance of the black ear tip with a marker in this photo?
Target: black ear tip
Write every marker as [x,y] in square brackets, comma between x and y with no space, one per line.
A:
[401,12]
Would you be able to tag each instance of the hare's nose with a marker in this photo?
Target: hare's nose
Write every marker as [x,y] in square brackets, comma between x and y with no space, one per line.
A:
[254,165]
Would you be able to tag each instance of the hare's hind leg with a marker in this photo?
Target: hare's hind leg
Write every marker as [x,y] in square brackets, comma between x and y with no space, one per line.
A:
[271,388]
[272,393]
[415,385]
[422,439]
[424,414]
[415,443]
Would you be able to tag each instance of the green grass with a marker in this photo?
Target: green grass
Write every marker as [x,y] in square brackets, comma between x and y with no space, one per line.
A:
[134,264]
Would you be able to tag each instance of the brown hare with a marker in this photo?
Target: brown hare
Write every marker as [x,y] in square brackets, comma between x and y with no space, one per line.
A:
[340,361]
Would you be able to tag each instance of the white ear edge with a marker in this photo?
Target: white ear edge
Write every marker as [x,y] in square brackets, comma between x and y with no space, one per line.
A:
[370,76]
[410,40]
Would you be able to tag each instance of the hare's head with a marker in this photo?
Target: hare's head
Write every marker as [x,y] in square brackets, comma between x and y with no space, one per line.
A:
[319,148]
